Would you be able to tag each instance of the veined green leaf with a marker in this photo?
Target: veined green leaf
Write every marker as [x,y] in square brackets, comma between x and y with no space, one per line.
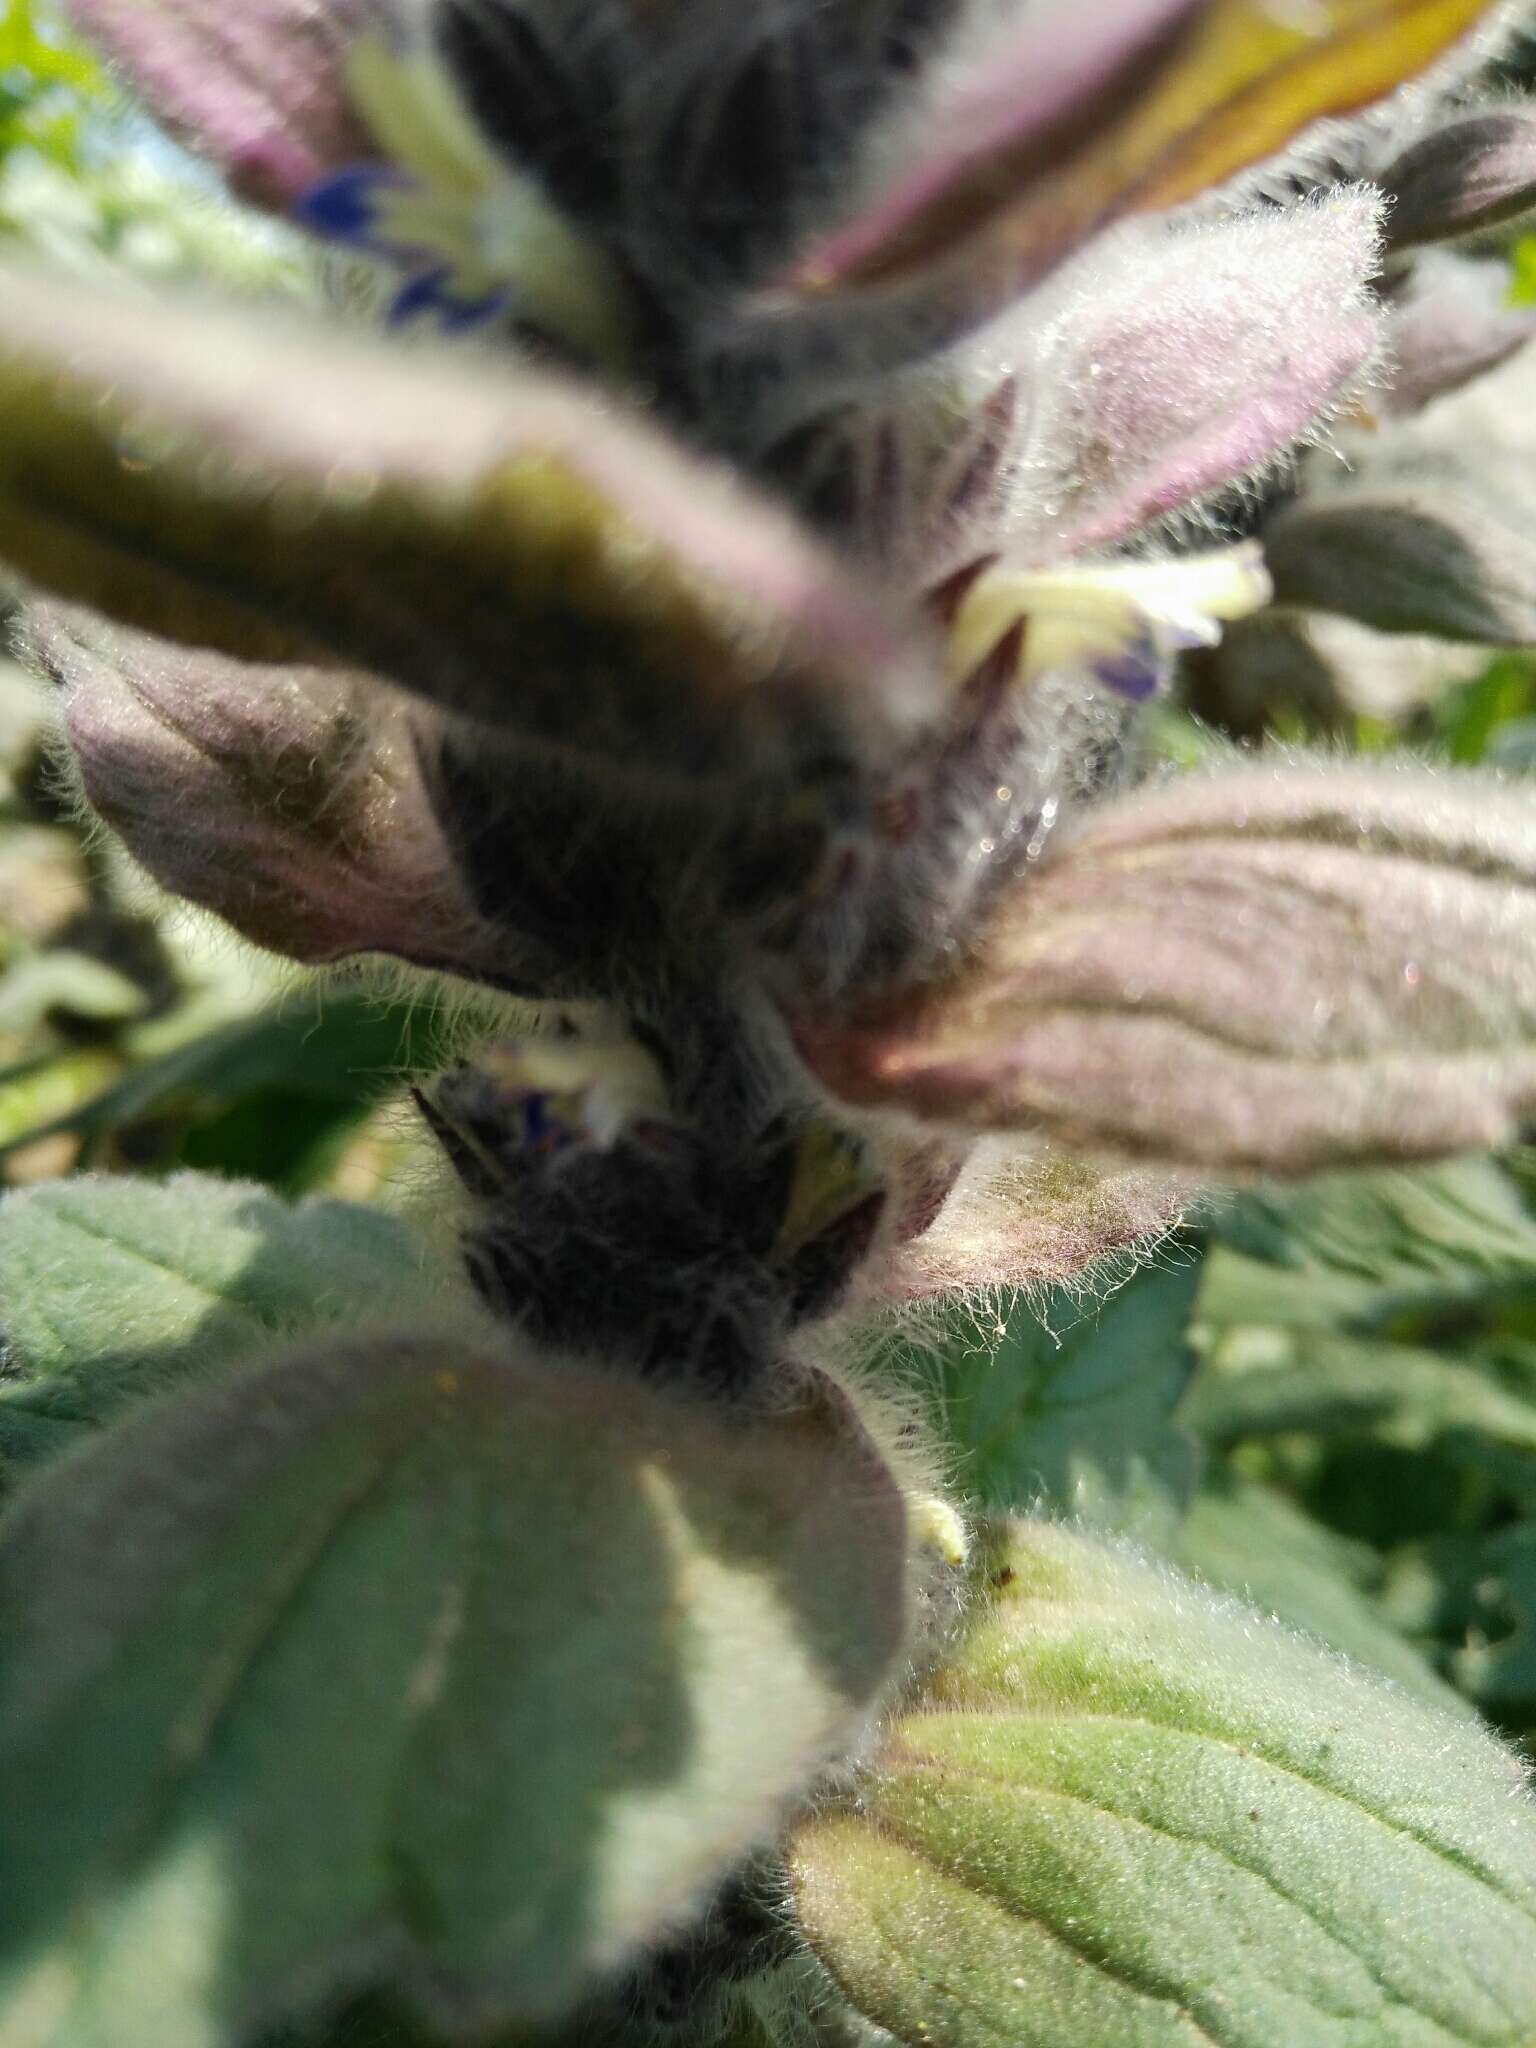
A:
[1249,1540]
[1073,1412]
[113,1288]
[1131,1813]
[422,1660]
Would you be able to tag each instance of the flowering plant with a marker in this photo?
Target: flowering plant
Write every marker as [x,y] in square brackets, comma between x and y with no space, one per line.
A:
[718,617]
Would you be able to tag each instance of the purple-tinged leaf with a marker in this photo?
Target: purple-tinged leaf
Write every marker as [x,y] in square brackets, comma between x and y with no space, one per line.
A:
[254,85]
[1265,971]
[1471,172]
[499,542]
[1453,325]
[291,801]
[324,814]
[1026,1218]
[1427,526]
[1191,359]
[1055,83]
[1046,131]
[1163,365]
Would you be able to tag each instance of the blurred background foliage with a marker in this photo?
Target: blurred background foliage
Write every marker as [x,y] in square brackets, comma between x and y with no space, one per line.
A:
[89,185]
[1324,1398]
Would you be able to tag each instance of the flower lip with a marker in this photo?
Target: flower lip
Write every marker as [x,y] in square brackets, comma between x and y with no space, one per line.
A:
[1121,622]
[475,238]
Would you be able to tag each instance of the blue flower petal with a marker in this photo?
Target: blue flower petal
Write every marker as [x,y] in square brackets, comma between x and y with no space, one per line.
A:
[432,293]
[1137,674]
[345,208]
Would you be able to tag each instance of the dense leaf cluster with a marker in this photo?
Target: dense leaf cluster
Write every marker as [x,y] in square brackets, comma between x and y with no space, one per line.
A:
[701,1467]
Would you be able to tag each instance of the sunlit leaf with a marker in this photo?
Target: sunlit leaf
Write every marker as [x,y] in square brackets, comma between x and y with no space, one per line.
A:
[113,1288]
[1130,1812]
[1272,1383]
[418,1659]
[1388,1252]
[1072,1412]
[1250,1540]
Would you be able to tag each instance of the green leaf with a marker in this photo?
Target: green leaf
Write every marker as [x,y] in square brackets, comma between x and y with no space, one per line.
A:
[1383,1251]
[1498,1667]
[1132,1813]
[70,982]
[1473,1596]
[344,1051]
[45,1094]
[1250,1540]
[1074,1410]
[424,1660]
[1471,721]
[1269,1383]
[110,1289]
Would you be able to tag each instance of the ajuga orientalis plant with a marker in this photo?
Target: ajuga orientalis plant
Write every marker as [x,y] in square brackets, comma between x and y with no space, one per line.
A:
[710,598]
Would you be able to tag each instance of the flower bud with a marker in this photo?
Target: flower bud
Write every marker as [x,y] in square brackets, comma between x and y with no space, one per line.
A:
[1453,325]
[1471,173]
[288,800]
[1260,971]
